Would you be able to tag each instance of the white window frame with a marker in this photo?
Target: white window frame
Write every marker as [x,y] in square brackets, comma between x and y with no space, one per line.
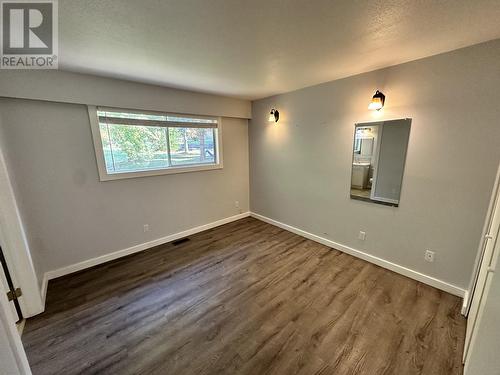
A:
[104,175]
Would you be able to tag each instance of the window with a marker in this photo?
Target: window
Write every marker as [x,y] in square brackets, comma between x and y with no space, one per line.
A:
[136,143]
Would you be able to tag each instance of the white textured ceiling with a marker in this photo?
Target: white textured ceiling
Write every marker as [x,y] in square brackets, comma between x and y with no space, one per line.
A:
[256,48]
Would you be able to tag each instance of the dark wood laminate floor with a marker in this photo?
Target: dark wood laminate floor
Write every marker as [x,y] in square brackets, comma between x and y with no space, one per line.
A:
[244,298]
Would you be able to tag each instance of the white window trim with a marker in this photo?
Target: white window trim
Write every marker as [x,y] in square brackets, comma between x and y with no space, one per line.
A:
[101,164]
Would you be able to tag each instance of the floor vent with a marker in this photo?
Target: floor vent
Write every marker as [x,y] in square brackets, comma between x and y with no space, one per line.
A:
[180,241]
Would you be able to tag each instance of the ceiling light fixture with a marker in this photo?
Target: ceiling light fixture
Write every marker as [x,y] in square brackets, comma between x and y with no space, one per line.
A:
[377,102]
[274,115]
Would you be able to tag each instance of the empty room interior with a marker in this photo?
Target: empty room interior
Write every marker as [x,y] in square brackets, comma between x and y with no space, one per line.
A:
[250,187]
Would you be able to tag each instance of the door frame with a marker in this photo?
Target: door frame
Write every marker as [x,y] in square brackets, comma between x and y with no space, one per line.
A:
[495,194]
[10,286]
[484,296]
[12,347]
[15,247]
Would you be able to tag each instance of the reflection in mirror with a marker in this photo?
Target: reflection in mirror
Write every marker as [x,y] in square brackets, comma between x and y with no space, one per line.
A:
[379,155]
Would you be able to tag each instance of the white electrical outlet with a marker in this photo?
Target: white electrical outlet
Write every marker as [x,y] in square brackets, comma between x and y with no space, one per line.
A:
[237,205]
[361,235]
[146,228]
[429,256]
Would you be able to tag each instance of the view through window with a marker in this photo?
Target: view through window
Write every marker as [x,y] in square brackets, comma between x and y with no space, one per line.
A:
[133,141]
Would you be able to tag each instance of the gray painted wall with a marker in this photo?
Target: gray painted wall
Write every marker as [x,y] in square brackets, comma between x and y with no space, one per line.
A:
[300,167]
[70,216]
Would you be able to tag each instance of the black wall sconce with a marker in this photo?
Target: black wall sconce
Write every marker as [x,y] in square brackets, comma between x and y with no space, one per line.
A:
[378,101]
[274,115]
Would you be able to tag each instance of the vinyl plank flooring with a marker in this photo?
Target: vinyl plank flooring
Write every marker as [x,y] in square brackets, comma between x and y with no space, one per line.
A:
[244,298]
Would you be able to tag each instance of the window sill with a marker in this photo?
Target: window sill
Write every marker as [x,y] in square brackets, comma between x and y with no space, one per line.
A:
[158,172]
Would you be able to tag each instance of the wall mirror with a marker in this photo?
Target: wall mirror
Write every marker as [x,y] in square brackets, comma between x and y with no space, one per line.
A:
[378,161]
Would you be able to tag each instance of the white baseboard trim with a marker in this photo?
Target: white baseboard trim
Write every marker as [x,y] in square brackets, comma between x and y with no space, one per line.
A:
[20,326]
[465,303]
[429,280]
[43,291]
[131,250]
